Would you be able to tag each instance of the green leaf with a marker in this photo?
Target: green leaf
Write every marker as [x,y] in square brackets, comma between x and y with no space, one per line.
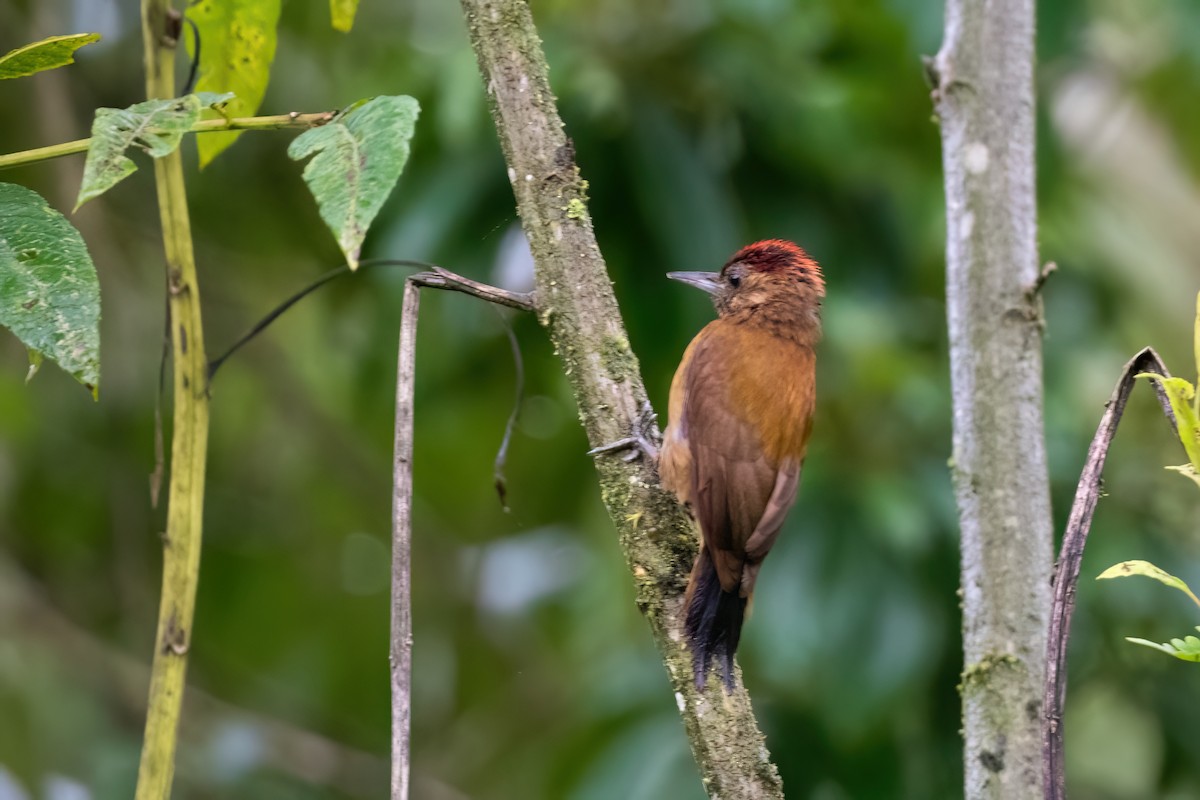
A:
[156,126]
[1196,352]
[342,14]
[1147,570]
[1186,649]
[49,294]
[1181,394]
[237,47]
[1187,471]
[359,157]
[217,101]
[35,363]
[57,51]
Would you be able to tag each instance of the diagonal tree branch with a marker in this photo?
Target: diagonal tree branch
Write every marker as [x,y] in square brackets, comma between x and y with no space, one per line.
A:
[575,303]
[1066,574]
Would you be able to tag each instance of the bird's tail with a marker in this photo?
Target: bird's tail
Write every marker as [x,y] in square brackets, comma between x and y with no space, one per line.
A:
[713,622]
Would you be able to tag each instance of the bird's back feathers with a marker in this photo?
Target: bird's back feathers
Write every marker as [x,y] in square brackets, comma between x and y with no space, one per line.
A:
[741,409]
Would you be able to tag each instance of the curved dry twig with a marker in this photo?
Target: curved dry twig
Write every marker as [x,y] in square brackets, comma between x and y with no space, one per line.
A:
[1066,573]
[438,278]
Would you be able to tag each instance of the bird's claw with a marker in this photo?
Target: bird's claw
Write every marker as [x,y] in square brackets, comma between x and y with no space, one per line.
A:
[643,440]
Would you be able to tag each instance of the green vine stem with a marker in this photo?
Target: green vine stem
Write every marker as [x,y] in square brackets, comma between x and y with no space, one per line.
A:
[189,443]
[275,122]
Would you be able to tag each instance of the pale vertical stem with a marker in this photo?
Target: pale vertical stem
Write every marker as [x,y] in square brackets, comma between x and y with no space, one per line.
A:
[189,442]
[576,305]
[985,99]
[402,483]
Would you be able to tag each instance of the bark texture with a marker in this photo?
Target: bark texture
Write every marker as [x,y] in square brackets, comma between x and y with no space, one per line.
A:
[984,95]
[189,435]
[575,303]
[400,655]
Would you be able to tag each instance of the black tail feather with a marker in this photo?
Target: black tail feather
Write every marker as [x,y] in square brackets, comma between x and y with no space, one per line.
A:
[713,622]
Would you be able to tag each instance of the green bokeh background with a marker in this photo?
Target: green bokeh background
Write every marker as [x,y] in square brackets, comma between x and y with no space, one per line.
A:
[701,126]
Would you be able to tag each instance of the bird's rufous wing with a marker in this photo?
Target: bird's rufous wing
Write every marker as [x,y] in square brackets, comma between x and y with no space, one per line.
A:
[741,487]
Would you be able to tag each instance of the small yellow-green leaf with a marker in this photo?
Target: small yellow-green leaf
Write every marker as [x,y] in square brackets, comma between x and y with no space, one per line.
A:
[1181,395]
[57,51]
[35,363]
[1186,649]
[357,159]
[342,14]
[49,294]
[1188,471]
[1196,352]
[237,47]
[1174,387]
[1147,570]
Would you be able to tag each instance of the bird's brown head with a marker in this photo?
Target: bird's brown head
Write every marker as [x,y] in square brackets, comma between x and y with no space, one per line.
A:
[773,276]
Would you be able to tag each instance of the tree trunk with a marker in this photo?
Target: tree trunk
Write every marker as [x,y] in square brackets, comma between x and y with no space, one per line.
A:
[984,96]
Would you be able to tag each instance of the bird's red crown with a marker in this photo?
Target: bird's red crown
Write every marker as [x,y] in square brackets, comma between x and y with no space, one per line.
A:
[779,256]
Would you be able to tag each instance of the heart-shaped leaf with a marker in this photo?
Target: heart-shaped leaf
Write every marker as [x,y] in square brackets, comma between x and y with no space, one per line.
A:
[357,159]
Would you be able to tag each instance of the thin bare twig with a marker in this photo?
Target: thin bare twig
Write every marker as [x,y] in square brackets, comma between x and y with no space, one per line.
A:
[1066,574]
[402,488]
[498,466]
[438,278]
[1048,269]
[434,277]
[277,312]
[402,481]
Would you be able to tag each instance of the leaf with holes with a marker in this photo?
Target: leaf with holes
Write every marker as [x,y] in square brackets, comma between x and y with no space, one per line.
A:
[342,14]
[49,294]
[57,51]
[156,126]
[237,46]
[357,159]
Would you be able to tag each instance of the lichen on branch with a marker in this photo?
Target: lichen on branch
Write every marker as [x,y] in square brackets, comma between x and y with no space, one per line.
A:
[575,303]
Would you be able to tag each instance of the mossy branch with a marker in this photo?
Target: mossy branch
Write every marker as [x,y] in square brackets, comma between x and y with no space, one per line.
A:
[575,303]
[189,443]
[274,122]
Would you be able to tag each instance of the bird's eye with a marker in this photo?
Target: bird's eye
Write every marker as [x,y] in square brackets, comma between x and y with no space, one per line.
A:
[734,280]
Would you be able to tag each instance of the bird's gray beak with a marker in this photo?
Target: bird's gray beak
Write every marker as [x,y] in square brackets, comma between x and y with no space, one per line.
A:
[707,281]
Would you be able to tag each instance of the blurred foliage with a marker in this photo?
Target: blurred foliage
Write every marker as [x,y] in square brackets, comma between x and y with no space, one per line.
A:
[701,126]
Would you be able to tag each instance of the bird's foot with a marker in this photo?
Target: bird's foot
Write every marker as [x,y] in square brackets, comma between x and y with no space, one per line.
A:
[642,441]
